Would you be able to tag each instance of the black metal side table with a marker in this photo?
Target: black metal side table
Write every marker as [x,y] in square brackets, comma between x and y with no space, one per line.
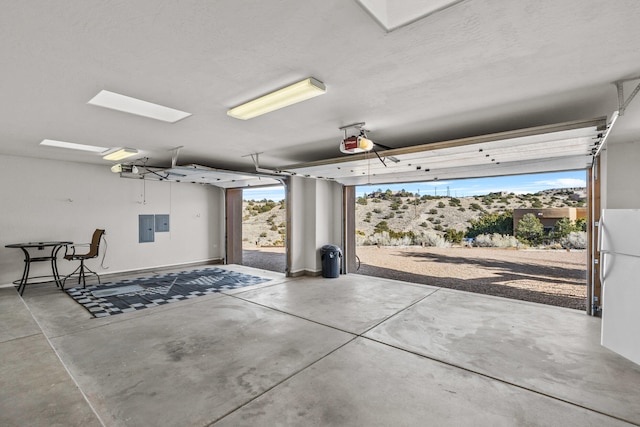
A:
[52,257]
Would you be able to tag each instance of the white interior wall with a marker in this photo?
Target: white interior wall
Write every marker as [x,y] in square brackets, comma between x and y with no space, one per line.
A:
[53,200]
[315,221]
[621,182]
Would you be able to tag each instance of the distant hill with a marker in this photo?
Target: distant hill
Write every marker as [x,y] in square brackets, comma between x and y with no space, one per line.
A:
[264,221]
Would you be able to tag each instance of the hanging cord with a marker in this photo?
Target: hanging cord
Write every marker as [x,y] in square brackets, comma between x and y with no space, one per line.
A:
[104,254]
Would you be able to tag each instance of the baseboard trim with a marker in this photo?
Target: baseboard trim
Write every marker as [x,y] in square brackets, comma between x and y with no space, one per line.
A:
[301,273]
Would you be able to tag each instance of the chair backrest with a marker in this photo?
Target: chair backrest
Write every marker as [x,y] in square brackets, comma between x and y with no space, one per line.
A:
[95,243]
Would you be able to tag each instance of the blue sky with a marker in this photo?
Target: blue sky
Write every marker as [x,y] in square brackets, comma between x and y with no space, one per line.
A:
[458,188]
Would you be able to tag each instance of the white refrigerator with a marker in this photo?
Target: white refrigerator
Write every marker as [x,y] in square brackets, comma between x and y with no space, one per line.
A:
[619,245]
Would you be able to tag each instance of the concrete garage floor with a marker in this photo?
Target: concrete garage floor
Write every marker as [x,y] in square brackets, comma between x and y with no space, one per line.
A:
[310,351]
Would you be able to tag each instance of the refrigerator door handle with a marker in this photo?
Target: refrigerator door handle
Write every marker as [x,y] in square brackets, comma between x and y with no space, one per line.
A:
[602,252]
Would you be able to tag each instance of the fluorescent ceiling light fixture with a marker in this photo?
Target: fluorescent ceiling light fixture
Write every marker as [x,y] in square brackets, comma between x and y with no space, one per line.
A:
[297,92]
[73,146]
[127,104]
[393,14]
[120,154]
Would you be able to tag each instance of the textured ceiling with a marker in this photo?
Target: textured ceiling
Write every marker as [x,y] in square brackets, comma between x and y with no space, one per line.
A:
[477,67]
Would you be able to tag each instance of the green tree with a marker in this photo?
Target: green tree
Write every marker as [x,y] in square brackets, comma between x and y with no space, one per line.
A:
[529,229]
[563,227]
[489,223]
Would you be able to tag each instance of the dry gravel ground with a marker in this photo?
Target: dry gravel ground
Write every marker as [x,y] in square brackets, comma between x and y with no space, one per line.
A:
[554,277]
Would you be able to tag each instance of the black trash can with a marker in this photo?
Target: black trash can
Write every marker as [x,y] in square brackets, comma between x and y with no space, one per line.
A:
[330,256]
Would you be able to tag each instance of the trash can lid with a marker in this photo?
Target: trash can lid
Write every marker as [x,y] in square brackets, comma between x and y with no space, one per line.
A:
[331,248]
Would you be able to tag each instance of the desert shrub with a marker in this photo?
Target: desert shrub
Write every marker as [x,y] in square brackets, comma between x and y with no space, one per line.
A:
[441,204]
[263,234]
[361,201]
[575,240]
[476,207]
[268,205]
[377,210]
[432,239]
[389,215]
[495,240]
[433,211]
[381,238]
[453,235]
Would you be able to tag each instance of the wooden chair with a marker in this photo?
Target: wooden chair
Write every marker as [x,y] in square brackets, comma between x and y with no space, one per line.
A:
[82,270]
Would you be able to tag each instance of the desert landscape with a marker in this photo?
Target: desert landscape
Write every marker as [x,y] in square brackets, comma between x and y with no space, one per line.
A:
[544,275]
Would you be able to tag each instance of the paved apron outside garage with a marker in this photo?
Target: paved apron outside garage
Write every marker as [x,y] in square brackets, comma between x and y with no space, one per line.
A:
[354,350]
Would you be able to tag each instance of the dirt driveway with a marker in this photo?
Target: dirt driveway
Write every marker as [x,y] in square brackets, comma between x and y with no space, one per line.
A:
[554,277]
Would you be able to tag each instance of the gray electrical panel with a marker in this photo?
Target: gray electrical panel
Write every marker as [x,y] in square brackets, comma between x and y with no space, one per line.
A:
[146,228]
[162,223]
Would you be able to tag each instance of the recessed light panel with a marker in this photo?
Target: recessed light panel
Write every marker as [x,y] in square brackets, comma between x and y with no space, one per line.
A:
[73,146]
[127,104]
[393,14]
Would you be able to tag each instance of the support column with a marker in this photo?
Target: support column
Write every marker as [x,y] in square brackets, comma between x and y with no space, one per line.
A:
[233,226]
[315,220]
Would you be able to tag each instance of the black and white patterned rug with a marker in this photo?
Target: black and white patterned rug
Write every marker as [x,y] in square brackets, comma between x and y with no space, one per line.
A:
[136,294]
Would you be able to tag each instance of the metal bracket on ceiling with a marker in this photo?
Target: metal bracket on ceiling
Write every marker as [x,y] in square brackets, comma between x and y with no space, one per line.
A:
[622,102]
[359,126]
[174,155]
[255,157]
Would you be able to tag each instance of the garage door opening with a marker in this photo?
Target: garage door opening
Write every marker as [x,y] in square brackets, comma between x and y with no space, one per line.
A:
[264,228]
[461,234]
